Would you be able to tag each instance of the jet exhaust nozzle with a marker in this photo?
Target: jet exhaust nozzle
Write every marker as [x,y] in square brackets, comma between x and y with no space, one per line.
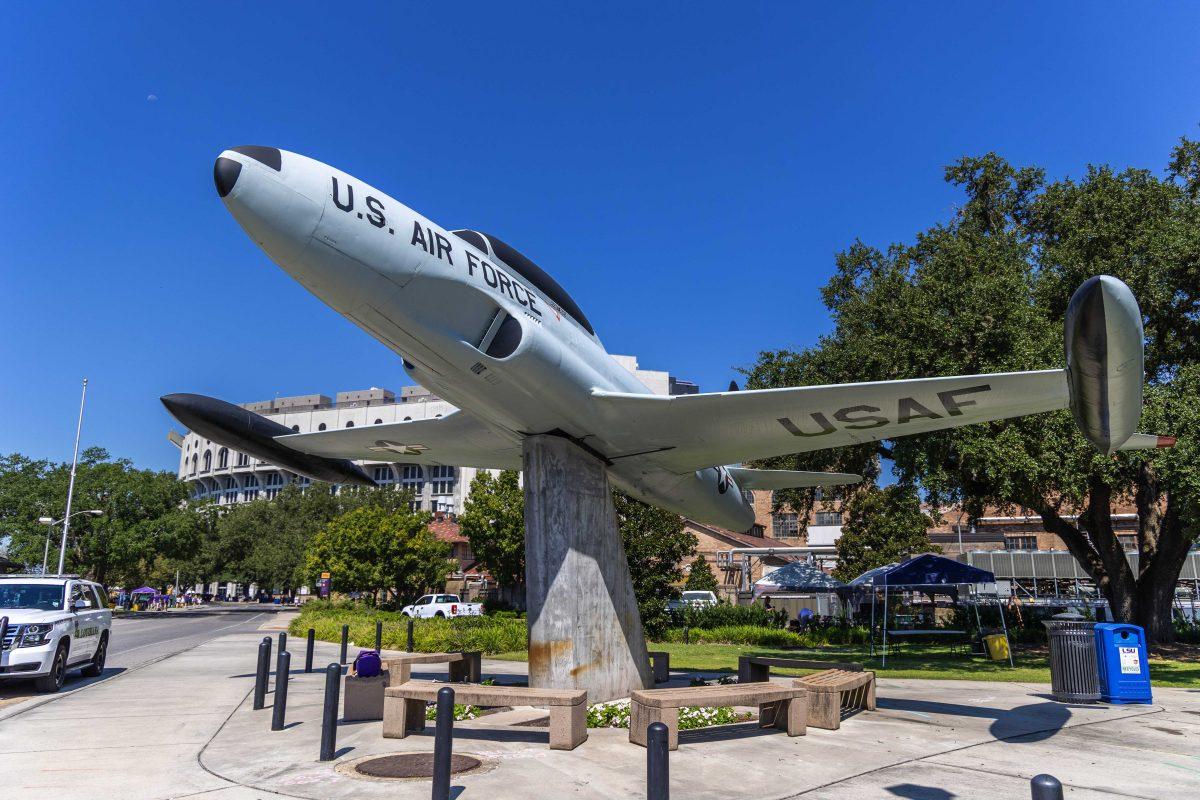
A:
[1105,369]
[249,433]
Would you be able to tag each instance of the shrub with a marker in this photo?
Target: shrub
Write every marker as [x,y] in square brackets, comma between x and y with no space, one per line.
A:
[486,634]
[723,614]
[461,712]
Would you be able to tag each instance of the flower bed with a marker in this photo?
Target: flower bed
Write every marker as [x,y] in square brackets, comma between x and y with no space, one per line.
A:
[616,715]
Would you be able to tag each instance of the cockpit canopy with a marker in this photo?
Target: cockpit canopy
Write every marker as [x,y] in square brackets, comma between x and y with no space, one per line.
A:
[528,270]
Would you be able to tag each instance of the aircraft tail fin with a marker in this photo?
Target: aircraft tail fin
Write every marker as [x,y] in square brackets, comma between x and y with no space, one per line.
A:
[788,478]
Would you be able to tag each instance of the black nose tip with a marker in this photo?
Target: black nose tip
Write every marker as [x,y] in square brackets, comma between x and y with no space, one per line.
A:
[225,174]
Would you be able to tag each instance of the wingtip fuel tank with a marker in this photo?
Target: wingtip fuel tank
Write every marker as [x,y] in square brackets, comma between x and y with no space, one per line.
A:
[247,432]
[1105,368]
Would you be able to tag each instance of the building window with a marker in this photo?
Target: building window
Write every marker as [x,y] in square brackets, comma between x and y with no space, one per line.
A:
[785,526]
[207,460]
[243,460]
[195,463]
[295,428]
[321,427]
[223,458]
[384,475]
[412,477]
[231,491]
[1021,542]
[274,483]
[1128,541]
[250,488]
[350,424]
[442,479]
[828,518]
[408,419]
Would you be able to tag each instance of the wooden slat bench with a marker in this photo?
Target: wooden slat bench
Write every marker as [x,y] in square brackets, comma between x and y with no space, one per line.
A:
[464,666]
[404,707]
[756,669]
[832,690]
[779,706]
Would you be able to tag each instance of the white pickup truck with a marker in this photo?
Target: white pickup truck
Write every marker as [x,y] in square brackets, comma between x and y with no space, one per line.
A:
[51,625]
[441,605]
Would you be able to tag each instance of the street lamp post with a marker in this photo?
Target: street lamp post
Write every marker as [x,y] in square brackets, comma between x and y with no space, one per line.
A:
[62,550]
[50,523]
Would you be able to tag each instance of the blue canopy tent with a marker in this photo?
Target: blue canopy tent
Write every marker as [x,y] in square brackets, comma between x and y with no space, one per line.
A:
[925,573]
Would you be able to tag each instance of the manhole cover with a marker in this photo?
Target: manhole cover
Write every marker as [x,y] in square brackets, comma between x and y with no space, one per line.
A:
[412,765]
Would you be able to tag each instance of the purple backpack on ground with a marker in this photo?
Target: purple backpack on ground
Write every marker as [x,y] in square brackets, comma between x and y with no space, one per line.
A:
[367,664]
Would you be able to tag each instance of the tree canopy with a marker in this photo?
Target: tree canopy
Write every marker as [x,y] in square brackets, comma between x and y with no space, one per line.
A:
[700,577]
[986,291]
[655,545]
[379,550]
[493,520]
[882,527]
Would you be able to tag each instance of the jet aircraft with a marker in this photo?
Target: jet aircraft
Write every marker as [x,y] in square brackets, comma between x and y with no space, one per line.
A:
[481,325]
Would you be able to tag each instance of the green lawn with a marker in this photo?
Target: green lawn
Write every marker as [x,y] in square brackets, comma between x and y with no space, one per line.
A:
[931,662]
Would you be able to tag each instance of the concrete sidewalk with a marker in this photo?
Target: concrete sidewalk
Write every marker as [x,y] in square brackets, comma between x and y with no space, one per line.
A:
[184,727]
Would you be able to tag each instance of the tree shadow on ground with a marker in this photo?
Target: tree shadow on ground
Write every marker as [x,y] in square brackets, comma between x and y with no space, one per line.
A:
[1033,723]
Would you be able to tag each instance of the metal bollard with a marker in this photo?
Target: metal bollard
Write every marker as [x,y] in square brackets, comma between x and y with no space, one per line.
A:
[345,642]
[282,668]
[312,635]
[658,778]
[378,635]
[409,643]
[333,682]
[443,743]
[260,674]
[1045,787]
[282,641]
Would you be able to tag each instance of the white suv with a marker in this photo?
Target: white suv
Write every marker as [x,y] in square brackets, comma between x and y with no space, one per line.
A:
[50,625]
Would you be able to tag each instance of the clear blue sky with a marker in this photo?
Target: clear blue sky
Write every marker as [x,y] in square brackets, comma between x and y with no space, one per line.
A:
[687,171]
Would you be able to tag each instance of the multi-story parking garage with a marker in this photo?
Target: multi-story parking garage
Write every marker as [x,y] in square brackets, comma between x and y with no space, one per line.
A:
[227,476]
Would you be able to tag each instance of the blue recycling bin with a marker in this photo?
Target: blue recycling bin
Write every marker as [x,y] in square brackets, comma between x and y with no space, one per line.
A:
[1121,660]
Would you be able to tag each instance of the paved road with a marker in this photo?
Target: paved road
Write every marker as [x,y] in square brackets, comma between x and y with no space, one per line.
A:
[138,640]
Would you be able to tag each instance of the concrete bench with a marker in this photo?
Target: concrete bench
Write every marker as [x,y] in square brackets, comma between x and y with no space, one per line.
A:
[404,707]
[779,706]
[832,690]
[660,665]
[756,669]
[464,666]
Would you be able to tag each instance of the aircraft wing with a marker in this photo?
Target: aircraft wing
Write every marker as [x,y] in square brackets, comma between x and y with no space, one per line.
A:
[704,430]
[457,439]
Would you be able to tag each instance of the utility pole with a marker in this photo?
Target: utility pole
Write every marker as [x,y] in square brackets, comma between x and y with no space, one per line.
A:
[62,550]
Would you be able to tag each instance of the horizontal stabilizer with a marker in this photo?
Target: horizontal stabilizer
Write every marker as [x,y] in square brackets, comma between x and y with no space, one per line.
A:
[1147,441]
[789,478]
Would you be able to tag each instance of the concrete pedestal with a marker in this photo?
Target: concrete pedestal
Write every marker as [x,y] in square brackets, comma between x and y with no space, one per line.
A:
[584,628]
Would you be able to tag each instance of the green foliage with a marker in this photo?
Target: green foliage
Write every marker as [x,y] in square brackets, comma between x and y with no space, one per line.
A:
[655,545]
[723,614]
[616,715]
[461,712]
[700,577]
[493,520]
[882,526]
[986,292]
[141,529]
[376,549]
[737,634]
[486,634]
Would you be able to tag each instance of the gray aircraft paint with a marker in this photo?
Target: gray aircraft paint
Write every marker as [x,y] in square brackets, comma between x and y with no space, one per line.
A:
[437,300]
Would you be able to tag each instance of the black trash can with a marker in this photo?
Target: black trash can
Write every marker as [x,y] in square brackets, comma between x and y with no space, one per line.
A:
[1074,677]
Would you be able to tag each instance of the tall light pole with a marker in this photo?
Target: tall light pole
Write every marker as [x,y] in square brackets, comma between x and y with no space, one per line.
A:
[50,523]
[62,550]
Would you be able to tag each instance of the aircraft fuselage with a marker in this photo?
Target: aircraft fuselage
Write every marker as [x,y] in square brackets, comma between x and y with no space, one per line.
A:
[469,326]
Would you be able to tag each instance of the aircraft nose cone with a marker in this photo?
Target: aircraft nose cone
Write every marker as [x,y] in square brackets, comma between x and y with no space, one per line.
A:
[225,174]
